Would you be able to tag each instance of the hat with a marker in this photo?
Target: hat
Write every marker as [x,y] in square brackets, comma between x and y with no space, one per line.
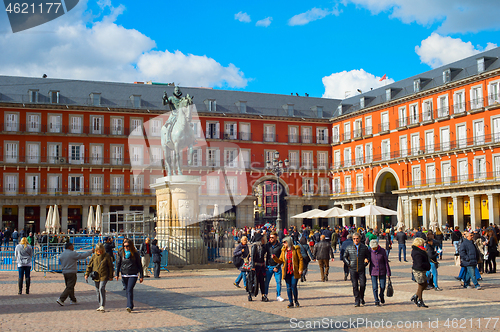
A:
[374,244]
[257,237]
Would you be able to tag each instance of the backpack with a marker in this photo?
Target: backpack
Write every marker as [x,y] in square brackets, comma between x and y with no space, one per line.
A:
[237,261]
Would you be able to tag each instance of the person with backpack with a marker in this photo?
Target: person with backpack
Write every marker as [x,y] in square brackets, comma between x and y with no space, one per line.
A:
[240,256]
[307,257]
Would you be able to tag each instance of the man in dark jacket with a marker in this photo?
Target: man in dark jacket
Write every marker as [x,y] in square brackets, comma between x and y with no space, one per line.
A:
[468,258]
[358,257]
[401,238]
[322,251]
[273,247]
[344,246]
[145,251]
[258,263]
[109,246]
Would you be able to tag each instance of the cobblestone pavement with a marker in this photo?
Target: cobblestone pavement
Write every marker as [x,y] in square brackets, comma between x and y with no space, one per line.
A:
[207,300]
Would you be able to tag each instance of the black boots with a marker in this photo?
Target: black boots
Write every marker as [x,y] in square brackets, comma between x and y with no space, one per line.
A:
[414,298]
[421,304]
[250,297]
[264,298]
[28,283]
[20,285]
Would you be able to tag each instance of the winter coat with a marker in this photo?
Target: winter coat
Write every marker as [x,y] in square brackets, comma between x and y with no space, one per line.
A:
[356,258]
[298,262]
[379,264]
[401,237]
[468,253]
[344,246]
[243,253]
[272,250]
[456,236]
[420,259]
[129,266]
[343,235]
[156,253]
[258,255]
[102,264]
[323,250]
[431,251]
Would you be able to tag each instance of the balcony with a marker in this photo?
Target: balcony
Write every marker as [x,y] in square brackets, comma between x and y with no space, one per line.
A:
[471,178]
[346,137]
[64,129]
[85,192]
[270,137]
[357,134]
[384,128]
[245,136]
[401,123]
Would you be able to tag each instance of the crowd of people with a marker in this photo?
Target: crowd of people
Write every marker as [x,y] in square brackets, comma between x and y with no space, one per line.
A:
[128,263]
[264,252]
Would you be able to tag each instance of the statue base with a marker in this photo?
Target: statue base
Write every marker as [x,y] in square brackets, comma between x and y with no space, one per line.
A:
[177,227]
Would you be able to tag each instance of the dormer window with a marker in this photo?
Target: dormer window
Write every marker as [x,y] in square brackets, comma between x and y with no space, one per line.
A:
[362,102]
[136,101]
[416,85]
[243,106]
[388,94]
[54,97]
[33,96]
[95,99]
[212,105]
[290,109]
[480,65]
[447,76]
[339,109]
[319,109]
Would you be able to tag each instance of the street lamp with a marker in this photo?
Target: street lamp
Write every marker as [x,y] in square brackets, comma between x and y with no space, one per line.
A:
[277,169]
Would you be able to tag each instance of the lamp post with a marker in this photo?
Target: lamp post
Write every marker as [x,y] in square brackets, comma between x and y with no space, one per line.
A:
[277,169]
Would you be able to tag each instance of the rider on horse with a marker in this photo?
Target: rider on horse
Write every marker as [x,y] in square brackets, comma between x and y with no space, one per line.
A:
[174,104]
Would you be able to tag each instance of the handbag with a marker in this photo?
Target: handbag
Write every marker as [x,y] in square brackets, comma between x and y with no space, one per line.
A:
[390,289]
[94,275]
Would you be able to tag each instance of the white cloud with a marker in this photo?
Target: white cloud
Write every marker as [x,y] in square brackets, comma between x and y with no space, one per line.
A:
[439,50]
[264,22]
[73,48]
[346,83]
[311,15]
[456,16]
[242,17]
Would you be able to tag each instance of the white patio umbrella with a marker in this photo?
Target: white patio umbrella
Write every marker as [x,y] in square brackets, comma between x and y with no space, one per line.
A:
[90,219]
[334,212]
[401,215]
[370,210]
[48,221]
[56,224]
[98,218]
[433,218]
[308,214]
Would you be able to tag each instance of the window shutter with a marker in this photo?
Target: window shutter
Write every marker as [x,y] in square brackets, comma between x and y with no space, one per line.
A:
[217,130]
[82,153]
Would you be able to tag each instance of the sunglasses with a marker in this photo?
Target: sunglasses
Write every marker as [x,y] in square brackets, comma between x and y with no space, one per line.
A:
[126,246]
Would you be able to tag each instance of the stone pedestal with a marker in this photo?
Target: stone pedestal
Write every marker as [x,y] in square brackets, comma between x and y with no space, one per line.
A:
[177,227]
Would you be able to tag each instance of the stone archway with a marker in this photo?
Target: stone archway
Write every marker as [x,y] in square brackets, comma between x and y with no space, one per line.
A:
[385,183]
[267,212]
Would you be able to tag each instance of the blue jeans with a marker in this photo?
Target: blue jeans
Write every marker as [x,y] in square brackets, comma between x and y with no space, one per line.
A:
[24,271]
[277,277]
[14,242]
[375,280]
[455,243]
[242,275]
[470,273]
[463,270]
[402,247]
[434,272]
[130,284]
[291,288]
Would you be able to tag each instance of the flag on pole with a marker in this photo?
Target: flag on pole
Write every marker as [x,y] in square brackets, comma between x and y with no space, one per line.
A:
[383,78]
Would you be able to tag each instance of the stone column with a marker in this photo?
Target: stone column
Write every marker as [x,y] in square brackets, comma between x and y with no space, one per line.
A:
[475,211]
[493,208]
[442,210]
[357,220]
[85,215]
[458,212]
[64,218]
[43,216]
[106,227]
[413,213]
[315,221]
[20,217]
[425,212]
[343,221]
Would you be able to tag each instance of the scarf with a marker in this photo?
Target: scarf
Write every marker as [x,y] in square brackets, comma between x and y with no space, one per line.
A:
[127,254]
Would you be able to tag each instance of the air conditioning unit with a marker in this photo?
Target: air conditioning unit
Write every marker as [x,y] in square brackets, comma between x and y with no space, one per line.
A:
[62,160]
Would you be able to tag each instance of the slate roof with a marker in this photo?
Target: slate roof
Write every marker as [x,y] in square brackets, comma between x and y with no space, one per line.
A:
[431,79]
[117,95]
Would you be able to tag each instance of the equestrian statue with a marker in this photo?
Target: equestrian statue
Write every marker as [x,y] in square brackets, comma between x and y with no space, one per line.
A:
[177,132]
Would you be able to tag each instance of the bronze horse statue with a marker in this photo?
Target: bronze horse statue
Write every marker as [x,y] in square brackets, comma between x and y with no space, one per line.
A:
[179,136]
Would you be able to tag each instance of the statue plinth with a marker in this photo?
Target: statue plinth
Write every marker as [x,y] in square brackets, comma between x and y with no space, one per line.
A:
[178,228]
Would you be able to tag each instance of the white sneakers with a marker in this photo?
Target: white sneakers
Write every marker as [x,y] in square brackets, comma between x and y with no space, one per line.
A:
[279,298]
[101,308]
[73,302]
[60,302]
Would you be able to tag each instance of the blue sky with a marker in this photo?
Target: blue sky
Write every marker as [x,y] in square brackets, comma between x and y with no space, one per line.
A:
[324,48]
